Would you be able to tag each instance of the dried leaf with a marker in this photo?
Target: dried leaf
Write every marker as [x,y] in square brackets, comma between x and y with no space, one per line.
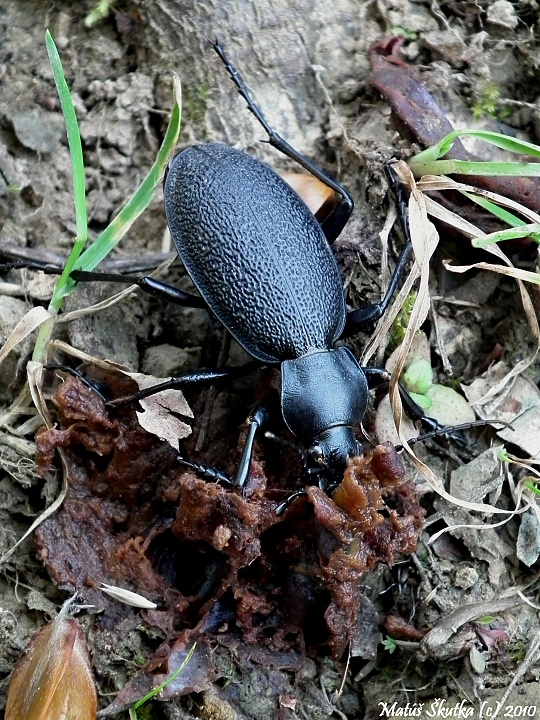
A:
[161,410]
[53,680]
[518,404]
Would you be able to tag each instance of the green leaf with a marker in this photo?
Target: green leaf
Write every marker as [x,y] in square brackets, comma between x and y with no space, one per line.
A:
[448,406]
[389,644]
[418,376]
[486,620]
[422,400]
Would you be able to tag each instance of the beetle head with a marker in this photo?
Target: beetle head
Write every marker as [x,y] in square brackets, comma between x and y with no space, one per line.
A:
[331,448]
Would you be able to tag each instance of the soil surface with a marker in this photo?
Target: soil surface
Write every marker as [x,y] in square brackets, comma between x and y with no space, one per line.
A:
[443,624]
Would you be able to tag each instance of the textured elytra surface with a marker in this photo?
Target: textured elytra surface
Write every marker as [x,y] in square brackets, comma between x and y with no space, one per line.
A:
[255,252]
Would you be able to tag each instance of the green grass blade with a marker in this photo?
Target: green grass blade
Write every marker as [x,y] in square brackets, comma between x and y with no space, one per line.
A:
[472,167]
[522,231]
[73,135]
[507,217]
[425,163]
[133,709]
[504,142]
[79,194]
[434,152]
[77,164]
[140,200]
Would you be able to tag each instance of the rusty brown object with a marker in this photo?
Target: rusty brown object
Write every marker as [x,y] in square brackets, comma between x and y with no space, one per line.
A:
[211,558]
[426,122]
[398,628]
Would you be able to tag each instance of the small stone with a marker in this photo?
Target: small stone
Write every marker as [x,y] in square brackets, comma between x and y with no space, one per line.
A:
[37,130]
[502,13]
[466,578]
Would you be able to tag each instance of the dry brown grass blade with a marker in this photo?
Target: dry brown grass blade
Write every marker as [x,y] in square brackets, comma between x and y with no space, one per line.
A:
[26,325]
[434,209]
[436,183]
[85,357]
[35,383]
[424,238]
[530,314]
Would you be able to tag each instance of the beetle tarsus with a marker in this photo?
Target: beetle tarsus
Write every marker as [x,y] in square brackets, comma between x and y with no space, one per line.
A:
[280,509]
[206,472]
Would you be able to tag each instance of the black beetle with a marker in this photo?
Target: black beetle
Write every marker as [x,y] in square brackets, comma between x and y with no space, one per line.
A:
[263,265]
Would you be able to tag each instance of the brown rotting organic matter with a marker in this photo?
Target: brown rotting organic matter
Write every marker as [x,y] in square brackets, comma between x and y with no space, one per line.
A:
[208,556]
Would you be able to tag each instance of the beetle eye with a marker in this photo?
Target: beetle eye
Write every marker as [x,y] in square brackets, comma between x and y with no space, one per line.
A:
[316,452]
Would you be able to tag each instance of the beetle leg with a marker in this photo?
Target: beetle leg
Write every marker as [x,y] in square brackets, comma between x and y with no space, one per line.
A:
[192,379]
[377,376]
[357,319]
[207,472]
[258,418]
[149,285]
[44,267]
[280,509]
[337,219]
[93,385]
[451,431]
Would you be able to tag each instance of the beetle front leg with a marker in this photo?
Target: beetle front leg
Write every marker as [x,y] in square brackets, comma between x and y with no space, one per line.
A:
[358,319]
[258,418]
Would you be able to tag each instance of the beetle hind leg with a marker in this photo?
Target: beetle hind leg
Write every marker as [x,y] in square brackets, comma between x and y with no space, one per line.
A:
[358,319]
[334,223]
